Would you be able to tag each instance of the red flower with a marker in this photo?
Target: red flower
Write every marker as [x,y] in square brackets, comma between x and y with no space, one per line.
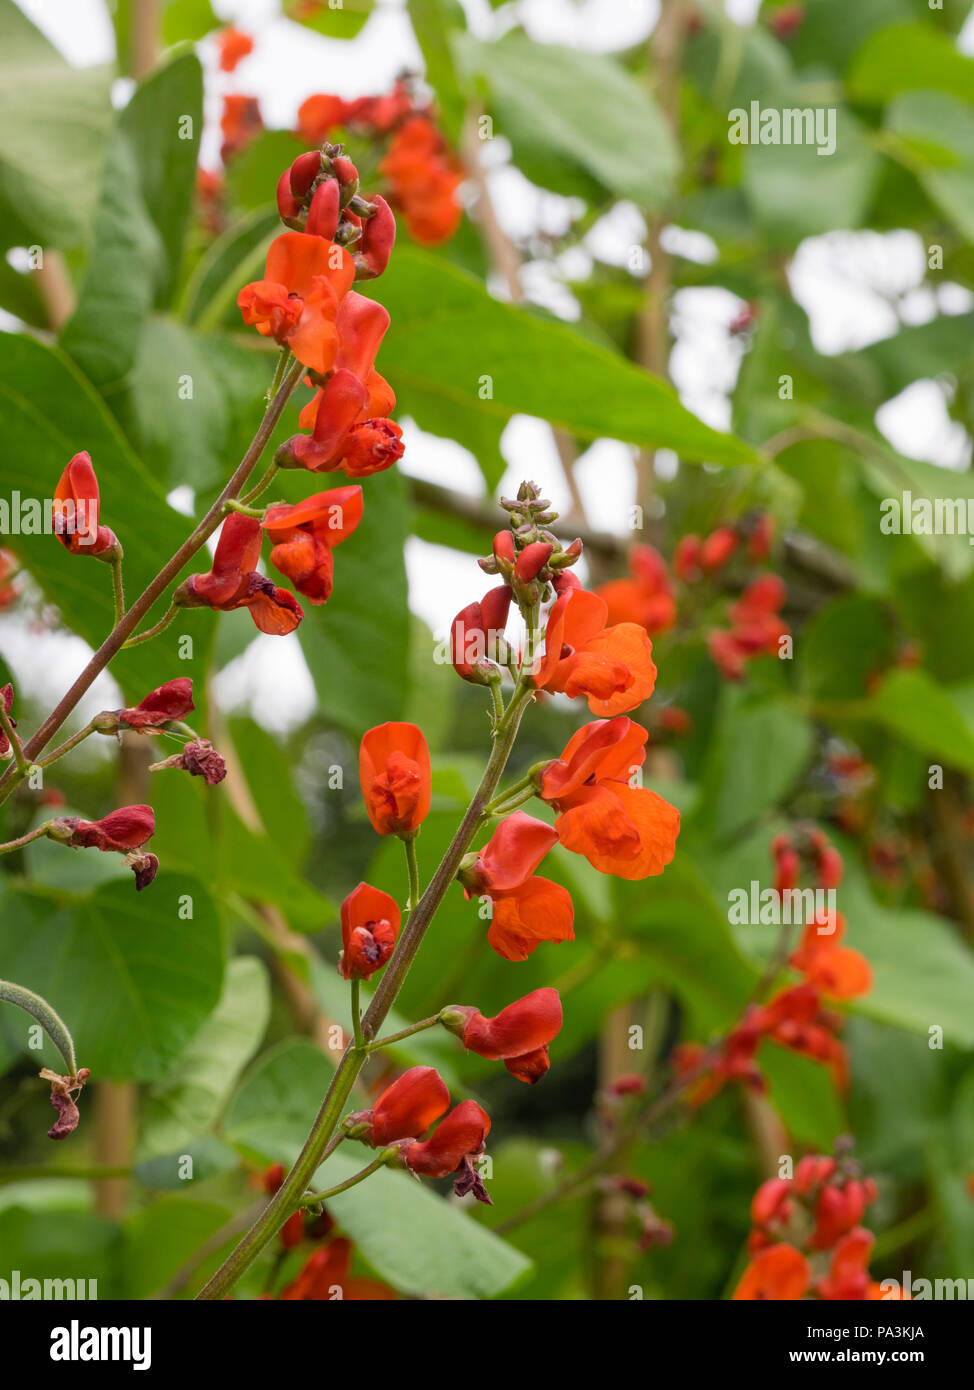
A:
[123,830]
[405,1109]
[456,1143]
[240,124]
[174,700]
[781,1272]
[233,581]
[324,1278]
[370,925]
[234,47]
[620,829]
[757,627]
[717,549]
[848,1276]
[304,536]
[7,696]
[839,1207]
[378,238]
[834,969]
[686,559]
[524,910]
[611,666]
[519,1035]
[646,598]
[394,770]
[477,635]
[75,513]
[297,303]
[423,178]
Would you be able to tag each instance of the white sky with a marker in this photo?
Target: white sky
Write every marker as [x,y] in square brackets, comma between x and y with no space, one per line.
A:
[848,283]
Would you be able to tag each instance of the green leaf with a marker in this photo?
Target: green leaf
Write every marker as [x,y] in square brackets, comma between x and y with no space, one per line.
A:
[567,106]
[493,360]
[906,58]
[160,1239]
[141,978]
[188,1100]
[273,1109]
[227,265]
[143,210]
[187,20]
[417,1241]
[921,713]
[342,21]
[844,644]
[50,412]
[433,21]
[937,132]
[757,756]
[358,648]
[803,1093]
[54,124]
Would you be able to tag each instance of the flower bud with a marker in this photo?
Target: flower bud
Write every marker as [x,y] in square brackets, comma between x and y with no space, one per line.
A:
[532,561]
[323,211]
[378,239]
[303,173]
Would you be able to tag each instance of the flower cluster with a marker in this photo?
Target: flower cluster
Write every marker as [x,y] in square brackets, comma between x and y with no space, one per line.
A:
[798,1221]
[797,1016]
[422,173]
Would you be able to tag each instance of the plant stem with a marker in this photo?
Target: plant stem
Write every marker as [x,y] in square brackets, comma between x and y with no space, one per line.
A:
[412,868]
[66,747]
[262,486]
[11,845]
[156,628]
[313,1198]
[288,1196]
[391,1038]
[198,537]
[357,1016]
[49,1019]
[118,589]
[6,724]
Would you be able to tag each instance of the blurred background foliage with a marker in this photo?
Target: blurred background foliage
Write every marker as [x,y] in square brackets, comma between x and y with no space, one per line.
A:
[207,1035]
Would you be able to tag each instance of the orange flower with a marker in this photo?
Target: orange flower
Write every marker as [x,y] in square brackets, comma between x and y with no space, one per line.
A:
[347,416]
[834,969]
[304,536]
[233,581]
[524,910]
[234,47]
[423,178]
[620,829]
[781,1272]
[646,598]
[611,666]
[297,303]
[848,1276]
[240,124]
[75,512]
[394,769]
[318,116]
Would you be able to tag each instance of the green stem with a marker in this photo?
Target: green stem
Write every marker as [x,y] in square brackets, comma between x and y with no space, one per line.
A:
[262,486]
[118,589]
[66,747]
[280,372]
[6,724]
[357,1016]
[11,845]
[288,1196]
[412,868]
[234,506]
[313,1198]
[49,1019]
[391,1038]
[153,631]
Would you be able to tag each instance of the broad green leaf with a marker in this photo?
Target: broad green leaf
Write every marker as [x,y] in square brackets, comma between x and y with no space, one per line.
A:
[907,58]
[577,108]
[234,258]
[67,1245]
[146,198]
[491,359]
[915,709]
[184,20]
[937,132]
[50,413]
[433,21]
[54,124]
[758,755]
[803,1093]
[342,21]
[845,643]
[159,1240]
[417,1241]
[188,1100]
[140,976]
[357,647]
[275,1104]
